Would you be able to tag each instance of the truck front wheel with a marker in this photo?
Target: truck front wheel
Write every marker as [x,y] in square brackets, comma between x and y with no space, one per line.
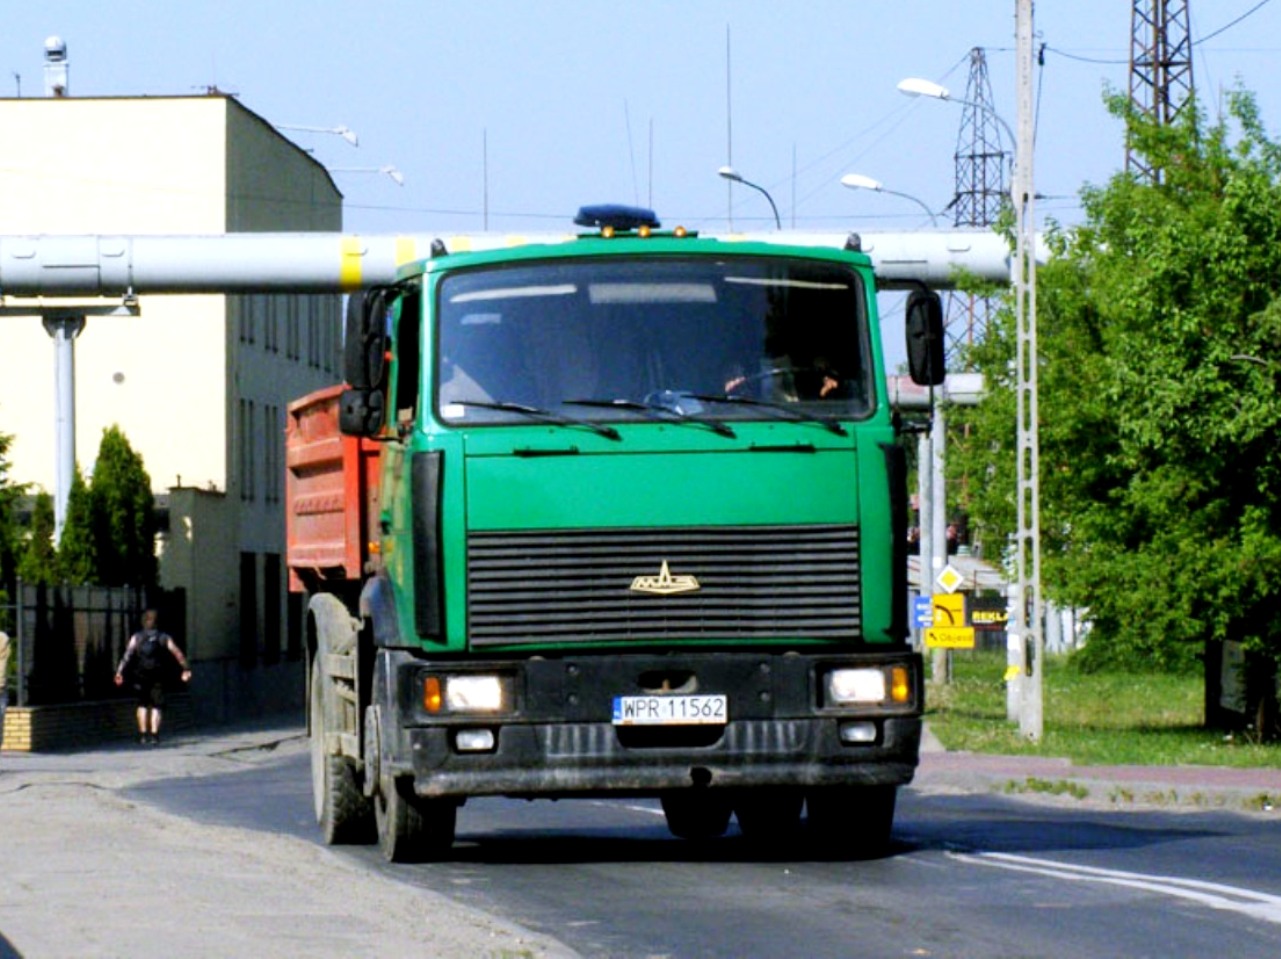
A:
[697,813]
[342,810]
[410,828]
[769,816]
[851,821]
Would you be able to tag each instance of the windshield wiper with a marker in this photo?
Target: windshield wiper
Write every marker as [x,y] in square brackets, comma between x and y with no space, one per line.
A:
[657,411]
[536,412]
[788,412]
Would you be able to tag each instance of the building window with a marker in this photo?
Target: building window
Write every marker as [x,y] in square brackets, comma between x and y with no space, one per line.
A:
[331,311]
[313,338]
[271,569]
[242,446]
[248,610]
[295,612]
[247,448]
[293,306]
[248,320]
[273,428]
[270,306]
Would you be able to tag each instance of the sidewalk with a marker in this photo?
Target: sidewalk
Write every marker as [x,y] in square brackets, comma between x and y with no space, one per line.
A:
[1187,787]
[87,872]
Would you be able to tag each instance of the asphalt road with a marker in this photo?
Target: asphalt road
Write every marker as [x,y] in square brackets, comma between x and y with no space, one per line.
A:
[970,874]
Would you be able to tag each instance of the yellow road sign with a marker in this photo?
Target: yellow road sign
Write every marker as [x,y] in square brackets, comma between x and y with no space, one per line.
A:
[949,609]
[950,578]
[949,637]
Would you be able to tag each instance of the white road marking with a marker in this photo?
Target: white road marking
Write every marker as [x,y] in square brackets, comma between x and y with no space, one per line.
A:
[647,810]
[1248,902]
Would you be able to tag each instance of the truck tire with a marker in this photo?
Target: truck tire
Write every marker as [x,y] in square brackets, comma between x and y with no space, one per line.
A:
[851,821]
[342,811]
[412,829]
[697,814]
[769,816]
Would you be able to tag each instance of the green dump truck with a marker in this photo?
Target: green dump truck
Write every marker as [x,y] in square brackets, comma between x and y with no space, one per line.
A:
[619,516]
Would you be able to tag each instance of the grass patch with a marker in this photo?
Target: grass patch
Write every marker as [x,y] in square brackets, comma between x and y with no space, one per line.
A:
[1046,787]
[1092,719]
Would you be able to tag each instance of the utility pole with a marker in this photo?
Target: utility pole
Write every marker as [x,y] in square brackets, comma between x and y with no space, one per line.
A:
[1027,612]
[1160,70]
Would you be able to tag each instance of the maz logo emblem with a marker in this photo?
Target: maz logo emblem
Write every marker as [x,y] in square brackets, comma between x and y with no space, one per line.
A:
[664,584]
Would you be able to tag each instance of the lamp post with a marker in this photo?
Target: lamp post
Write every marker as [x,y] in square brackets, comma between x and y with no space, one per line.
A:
[930,450]
[856,181]
[729,173]
[1025,642]
[386,170]
[345,132]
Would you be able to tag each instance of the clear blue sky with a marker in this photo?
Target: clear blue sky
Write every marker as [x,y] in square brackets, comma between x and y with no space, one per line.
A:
[588,102]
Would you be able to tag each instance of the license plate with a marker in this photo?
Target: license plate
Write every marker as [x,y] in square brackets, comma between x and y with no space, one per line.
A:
[670,710]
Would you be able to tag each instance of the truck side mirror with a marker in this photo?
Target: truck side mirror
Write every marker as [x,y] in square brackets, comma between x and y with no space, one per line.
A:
[361,412]
[367,338]
[925,360]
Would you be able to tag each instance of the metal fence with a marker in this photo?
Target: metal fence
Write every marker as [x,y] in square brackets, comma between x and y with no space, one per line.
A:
[69,639]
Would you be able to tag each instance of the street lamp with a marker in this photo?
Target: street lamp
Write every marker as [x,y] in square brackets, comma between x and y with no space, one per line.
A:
[345,132]
[856,181]
[930,449]
[729,173]
[386,170]
[916,87]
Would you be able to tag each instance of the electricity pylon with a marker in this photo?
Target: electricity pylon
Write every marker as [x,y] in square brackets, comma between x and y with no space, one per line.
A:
[982,166]
[1160,70]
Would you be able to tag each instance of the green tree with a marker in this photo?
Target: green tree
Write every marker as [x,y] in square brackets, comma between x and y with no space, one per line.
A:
[124,528]
[10,494]
[77,559]
[1159,326]
[39,562]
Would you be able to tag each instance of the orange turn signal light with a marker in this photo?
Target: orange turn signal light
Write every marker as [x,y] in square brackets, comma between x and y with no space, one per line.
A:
[433,695]
[900,685]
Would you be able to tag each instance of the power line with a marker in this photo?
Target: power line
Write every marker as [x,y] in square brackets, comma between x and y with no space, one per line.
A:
[1228,26]
[1081,58]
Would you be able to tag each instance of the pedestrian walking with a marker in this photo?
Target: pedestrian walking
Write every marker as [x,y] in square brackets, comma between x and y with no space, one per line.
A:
[145,661]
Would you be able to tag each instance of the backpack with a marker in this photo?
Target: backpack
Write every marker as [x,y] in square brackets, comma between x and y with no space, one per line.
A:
[150,650]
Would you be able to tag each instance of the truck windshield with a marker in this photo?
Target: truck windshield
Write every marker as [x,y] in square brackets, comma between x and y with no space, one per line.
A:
[724,338]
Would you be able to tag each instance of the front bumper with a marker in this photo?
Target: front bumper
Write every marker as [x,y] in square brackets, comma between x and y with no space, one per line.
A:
[557,740]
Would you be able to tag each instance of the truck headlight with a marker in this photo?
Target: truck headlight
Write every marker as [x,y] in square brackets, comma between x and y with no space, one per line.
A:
[845,687]
[474,694]
[869,686]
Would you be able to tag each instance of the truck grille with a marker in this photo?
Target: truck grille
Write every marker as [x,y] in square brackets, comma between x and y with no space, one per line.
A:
[575,586]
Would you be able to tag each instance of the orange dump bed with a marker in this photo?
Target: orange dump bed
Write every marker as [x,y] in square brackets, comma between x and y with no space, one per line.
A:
[331,492]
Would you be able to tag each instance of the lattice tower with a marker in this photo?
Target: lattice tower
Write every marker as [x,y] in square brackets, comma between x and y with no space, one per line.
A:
[982,187]
[1160,69]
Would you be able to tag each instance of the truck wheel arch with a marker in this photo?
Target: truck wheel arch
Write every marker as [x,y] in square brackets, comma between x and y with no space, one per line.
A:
[378,608]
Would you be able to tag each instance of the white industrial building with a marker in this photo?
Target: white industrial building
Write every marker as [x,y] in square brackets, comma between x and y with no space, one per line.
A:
[198,384]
